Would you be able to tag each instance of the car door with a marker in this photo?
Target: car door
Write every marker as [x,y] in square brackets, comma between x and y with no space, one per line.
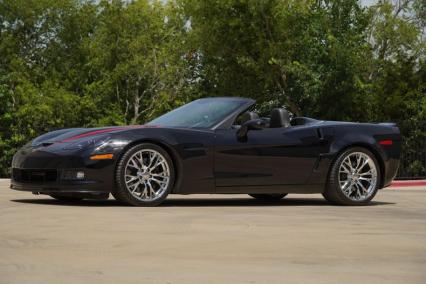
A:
[271,156]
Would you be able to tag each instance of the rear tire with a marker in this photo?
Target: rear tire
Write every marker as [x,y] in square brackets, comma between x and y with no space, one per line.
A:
[354,178]
[268,197]
[144,176]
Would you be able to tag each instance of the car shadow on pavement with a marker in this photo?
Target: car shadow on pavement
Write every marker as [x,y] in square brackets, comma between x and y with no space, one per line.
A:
[195,202]
[192,202]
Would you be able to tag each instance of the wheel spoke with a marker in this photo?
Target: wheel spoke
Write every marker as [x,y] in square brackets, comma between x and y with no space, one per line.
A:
[159,182]
[364,190]
[135,187]
[366,179]
[133,164]
[358,161]
[357,176]
[151,190]
[144,191]
[139,157]
[147,175]
[159,176]
[349,164]
[363,165]
[347,187]
[131,179]
[152,158]
[344,169]
[157,164]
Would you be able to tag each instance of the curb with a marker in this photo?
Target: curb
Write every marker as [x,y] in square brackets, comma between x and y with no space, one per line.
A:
[407,183]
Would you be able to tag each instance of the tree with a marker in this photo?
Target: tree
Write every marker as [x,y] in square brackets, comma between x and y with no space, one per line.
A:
[94,63]
[398,72]
[135,63]
[293,53]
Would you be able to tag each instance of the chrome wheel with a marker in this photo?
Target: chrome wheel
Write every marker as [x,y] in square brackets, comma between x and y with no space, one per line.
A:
[147,175]
[357,176]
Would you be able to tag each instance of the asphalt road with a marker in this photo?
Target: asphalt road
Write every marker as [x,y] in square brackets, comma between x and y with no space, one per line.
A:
[213,239]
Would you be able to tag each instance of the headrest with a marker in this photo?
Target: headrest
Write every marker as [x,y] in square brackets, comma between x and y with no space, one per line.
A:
[279,118]
[248,115]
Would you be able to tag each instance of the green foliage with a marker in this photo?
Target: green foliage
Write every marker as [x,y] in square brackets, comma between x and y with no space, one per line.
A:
[307,55]
[93,63]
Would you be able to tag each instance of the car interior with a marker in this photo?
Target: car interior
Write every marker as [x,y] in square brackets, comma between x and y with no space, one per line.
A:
[279,118]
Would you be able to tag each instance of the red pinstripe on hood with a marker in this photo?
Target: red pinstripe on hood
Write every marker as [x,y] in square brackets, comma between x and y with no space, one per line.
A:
[105,130]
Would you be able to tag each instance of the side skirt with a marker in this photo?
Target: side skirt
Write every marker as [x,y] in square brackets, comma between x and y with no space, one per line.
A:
[303,188]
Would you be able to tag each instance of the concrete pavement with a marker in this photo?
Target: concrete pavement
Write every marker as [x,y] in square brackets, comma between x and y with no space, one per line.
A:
[213,239]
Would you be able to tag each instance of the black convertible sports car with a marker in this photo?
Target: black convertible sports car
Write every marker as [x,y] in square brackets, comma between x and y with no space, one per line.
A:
[212,145]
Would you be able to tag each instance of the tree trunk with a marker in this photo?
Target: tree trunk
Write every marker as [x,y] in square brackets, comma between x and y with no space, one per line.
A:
[292,105]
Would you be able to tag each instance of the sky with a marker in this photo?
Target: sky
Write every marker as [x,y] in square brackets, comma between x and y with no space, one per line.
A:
[368,2]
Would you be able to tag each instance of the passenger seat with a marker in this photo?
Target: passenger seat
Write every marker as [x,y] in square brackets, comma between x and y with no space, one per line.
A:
[279,118]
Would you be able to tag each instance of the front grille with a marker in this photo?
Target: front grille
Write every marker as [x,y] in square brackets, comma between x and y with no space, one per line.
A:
[34,175]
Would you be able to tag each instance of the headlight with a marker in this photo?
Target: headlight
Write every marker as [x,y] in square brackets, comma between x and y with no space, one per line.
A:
[85,143]
[110,146]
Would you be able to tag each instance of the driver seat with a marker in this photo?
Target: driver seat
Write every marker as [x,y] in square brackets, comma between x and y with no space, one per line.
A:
[279,118]
[248,115]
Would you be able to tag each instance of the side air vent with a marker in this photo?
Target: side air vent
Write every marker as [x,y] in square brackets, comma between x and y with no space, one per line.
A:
[45,144]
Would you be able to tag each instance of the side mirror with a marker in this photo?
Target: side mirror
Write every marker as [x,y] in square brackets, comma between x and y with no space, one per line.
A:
[254,124]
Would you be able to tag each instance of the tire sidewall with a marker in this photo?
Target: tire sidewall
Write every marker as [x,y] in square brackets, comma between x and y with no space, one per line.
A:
[123,194]
[335,192]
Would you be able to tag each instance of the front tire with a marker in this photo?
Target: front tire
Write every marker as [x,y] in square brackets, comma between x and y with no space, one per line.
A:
[144,176]
[268,197]
[354,178]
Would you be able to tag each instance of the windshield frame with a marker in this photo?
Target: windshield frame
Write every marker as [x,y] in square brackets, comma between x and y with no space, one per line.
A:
[227,121]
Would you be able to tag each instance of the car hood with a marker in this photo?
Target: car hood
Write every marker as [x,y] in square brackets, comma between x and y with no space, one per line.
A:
[71,135]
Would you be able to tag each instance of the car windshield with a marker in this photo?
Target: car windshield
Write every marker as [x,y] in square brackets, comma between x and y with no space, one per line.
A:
[202,113]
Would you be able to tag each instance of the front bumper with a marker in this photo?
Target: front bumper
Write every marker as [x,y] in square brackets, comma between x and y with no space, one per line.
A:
[82,187]
[47,171]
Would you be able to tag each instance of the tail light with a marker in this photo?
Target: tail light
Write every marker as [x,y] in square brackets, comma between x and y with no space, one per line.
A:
[386,142]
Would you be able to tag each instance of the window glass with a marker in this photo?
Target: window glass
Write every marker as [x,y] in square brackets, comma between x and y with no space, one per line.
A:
[203,113]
